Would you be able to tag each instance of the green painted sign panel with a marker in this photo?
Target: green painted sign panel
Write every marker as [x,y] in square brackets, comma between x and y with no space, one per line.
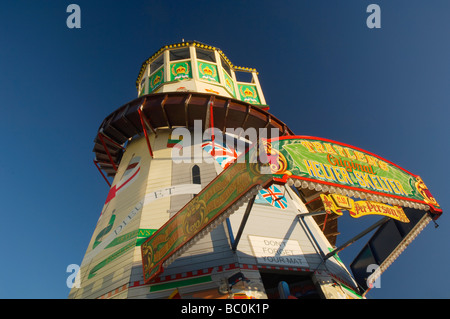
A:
[248,93]
[180,71]
[156,79]
[334,163]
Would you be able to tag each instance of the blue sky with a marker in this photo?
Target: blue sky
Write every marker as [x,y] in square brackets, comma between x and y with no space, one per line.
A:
[323,72]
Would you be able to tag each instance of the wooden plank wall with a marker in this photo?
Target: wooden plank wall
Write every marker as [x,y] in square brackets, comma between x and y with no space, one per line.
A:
[114,263]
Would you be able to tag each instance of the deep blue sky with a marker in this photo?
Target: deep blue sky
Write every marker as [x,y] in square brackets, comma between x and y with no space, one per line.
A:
[323,72]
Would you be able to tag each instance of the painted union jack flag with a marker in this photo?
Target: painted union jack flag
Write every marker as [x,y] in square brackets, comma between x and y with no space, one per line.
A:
[222,154]
[274,196]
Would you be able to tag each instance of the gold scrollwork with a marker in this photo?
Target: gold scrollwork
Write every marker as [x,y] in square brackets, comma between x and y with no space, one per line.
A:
[423,190]
[147,252]
[278,162]
[194,217]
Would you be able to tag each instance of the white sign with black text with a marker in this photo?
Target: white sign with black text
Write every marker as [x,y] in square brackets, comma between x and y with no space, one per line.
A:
[277,251]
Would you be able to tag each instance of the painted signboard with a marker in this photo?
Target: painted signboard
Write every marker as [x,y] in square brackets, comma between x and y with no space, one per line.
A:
[156,79]
[180,71]
[332,163]
[357,208]
[277,251]
[248,93]
[208,72]
[214,200]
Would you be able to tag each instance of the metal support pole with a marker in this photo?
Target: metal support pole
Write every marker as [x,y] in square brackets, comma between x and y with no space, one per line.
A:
[310,234]
[362,234]
[95,162]
[100,136]
[144,128]
[230,232]
[146,121]
[243,222]
[322,212]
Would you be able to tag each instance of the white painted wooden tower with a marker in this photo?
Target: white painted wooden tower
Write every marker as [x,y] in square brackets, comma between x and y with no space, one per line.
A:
[276,250]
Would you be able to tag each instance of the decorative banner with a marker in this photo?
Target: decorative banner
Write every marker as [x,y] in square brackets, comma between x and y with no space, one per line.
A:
[363,208]
[180,71]
[337,164]
[156,79]
[202,211]
[334,203]
[248,93]
[207,72]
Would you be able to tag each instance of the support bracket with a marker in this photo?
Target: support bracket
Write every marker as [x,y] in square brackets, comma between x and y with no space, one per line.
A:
[144,123]
[243,222]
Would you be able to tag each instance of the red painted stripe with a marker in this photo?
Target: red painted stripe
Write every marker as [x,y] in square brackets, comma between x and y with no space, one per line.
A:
[129,179]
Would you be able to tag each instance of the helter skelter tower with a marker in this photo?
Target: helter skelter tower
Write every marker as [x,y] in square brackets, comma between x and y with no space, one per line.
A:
[194,212]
